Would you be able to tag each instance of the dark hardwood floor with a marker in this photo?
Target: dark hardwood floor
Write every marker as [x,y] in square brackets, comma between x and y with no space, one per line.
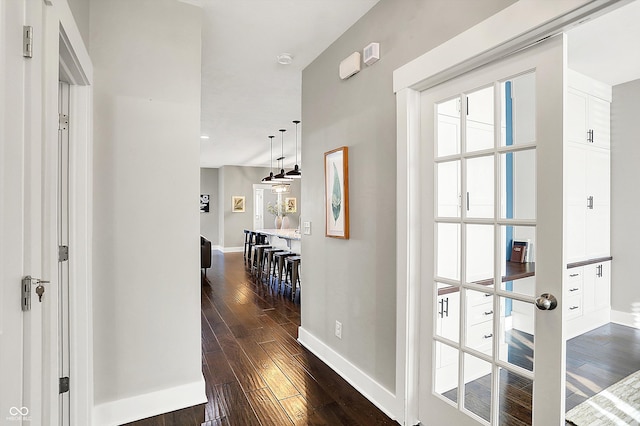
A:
[255,370]
[257,373]
[595,361]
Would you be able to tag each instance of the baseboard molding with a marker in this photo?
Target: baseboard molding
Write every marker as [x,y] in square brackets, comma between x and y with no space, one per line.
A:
[367,386]
[150,404]
[231,249]
[626,318]
[218,248]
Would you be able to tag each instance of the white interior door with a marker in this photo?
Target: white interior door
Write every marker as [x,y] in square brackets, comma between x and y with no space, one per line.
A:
[492,212]
[12,213]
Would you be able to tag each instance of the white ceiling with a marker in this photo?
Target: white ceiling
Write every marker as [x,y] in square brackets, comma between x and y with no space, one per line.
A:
[246,94]
[606,48]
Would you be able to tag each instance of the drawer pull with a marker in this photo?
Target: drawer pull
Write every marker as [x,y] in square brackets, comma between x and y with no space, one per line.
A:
[488,336]
[574,289]
[573,275]
[573,307]
[488,313]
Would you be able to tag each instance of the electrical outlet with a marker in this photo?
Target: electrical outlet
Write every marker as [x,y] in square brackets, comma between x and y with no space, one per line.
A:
[338,329]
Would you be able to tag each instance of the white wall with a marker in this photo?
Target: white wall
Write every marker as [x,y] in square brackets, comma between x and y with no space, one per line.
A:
[354,281]
[625,203]
[146,56]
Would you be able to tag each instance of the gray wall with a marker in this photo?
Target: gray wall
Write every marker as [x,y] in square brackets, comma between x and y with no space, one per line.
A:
[236,180]
[353,281]
[625,204]
[209,221]
[146,256]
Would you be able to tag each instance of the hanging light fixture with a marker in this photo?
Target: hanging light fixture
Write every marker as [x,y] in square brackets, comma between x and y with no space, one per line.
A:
[281,177]
[295,173]
[269,178]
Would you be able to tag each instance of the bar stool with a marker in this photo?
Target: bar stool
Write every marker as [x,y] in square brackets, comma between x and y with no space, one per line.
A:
[257,258]
[279,266]
[268,263]
[293,271]
[247,242]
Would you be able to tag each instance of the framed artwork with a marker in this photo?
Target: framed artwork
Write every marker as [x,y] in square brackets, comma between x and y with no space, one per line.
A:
[237,204]
[204,203]
[291,205]
[336,192]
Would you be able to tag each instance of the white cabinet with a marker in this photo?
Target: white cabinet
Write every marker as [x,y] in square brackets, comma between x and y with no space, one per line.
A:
[587,165]
[587,300]
[587,175]
[588,111]
[447,326]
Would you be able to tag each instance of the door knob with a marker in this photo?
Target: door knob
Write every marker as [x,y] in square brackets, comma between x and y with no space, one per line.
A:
[546,302]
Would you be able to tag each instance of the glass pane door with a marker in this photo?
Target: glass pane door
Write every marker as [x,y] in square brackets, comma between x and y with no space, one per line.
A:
[485,353]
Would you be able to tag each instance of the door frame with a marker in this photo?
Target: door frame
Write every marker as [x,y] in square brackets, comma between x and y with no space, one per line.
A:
[65,56]
[484,43]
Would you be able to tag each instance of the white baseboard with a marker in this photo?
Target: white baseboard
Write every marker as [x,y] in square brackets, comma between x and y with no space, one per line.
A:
[626,318]
[218,248]
[232,249]
[367,386]
[150,404]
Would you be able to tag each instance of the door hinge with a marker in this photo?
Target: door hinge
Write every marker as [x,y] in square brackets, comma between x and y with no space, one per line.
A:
[63,253]
[26,293]
[27,41]
[64,384]
[63,121]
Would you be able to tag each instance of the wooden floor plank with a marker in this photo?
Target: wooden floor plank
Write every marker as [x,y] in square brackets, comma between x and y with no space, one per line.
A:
[249,363]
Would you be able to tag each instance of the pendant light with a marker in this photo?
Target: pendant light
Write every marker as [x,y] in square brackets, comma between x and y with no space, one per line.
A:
[295,173]
[281,177]
[269,178]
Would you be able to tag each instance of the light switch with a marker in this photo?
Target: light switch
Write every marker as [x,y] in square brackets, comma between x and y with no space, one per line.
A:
[306,228]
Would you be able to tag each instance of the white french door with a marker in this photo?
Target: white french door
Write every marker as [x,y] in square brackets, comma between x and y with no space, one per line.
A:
[492,241]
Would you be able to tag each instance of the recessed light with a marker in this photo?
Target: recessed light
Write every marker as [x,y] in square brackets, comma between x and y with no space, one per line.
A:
[204,137]
[285,58]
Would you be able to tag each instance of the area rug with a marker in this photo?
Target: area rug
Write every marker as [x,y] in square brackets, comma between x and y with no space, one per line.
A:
[619,404]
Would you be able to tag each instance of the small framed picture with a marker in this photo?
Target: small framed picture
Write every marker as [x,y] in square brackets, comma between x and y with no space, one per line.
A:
[291,204]
[336,192]
[204,203]
[237,204]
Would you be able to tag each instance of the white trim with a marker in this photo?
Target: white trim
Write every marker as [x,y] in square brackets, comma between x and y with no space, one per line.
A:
[367,386]
[629,319]
[150,404]
[509,30]
[408,231]
[81,238]
[218,248]
[230,249]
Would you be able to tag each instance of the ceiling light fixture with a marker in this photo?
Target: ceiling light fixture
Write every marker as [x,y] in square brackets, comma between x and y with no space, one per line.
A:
[285,58]
[281,177]
[204,137]
[295,173]
[269,178]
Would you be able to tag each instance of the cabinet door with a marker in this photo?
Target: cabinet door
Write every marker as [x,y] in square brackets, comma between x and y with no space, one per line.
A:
[598,177]
[599,122]
[576,120]
[602,287]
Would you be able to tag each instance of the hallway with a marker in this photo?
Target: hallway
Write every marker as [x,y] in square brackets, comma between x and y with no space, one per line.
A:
[255,370]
